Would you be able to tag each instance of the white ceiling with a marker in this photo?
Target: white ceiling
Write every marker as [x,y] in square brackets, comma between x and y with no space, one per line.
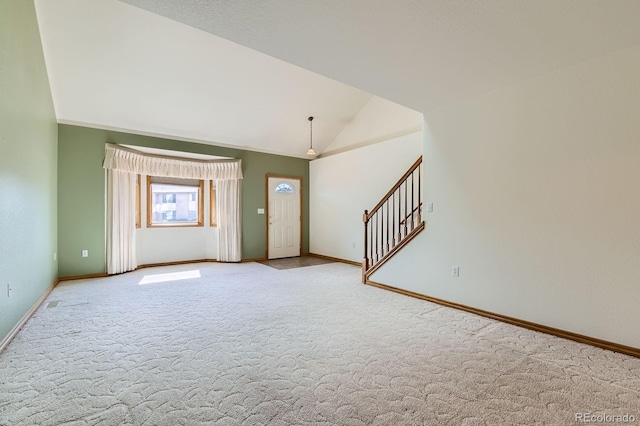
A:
[112,64]
[419,53]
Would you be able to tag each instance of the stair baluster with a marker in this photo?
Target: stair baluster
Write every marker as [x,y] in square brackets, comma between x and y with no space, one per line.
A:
[388,225]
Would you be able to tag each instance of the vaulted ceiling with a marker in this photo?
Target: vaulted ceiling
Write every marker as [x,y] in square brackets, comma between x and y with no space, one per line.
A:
[207,69]
[115,66]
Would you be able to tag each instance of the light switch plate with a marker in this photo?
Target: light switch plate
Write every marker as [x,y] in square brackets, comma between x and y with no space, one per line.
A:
[260,211]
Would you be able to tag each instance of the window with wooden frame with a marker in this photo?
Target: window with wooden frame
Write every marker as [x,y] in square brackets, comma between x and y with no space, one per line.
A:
[174,202]
[138,202]
[212,203]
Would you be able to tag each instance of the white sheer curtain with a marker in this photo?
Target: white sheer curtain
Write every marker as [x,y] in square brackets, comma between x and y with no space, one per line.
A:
[123,164]
[229,220]
[121,222]
[129,160]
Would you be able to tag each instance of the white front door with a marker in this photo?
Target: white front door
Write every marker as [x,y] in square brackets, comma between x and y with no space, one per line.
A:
[284,217]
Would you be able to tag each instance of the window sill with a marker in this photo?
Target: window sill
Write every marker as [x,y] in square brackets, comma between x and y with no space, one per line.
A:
[176,225]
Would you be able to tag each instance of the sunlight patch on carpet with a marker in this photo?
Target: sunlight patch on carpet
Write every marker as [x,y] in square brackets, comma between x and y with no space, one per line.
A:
[172,276]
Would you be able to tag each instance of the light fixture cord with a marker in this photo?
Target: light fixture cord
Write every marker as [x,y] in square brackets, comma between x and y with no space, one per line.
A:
[311,134]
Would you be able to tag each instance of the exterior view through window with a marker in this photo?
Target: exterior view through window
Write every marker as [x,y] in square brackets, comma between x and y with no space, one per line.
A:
[285,187]
[175,203]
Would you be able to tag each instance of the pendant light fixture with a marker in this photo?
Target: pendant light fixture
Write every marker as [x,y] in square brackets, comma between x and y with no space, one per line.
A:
[311,151]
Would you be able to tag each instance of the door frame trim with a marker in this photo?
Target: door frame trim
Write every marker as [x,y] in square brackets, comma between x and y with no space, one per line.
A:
[266,216]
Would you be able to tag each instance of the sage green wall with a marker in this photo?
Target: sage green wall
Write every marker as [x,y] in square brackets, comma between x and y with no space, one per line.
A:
[81,193]
[28,140]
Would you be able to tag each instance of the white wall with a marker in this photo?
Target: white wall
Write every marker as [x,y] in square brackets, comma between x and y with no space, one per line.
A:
[536,192]
[377,121]
[157,245]
[342,186]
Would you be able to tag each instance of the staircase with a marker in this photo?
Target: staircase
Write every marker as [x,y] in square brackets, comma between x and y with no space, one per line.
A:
[394,221]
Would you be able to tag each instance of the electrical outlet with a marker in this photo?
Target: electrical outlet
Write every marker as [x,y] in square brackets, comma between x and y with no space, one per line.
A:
[85,253]
[429,207]
[55,256]
[455,271]
[353,245]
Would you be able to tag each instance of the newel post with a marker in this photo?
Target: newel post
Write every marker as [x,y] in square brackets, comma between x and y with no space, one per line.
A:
[365,261]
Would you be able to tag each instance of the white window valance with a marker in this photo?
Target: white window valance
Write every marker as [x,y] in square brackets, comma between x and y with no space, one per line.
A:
[129,160]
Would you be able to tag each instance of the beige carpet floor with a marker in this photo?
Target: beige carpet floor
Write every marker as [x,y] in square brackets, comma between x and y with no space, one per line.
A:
[247,344]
